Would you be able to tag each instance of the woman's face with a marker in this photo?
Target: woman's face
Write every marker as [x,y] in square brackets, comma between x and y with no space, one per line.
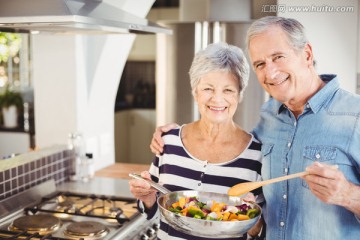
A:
[217,96]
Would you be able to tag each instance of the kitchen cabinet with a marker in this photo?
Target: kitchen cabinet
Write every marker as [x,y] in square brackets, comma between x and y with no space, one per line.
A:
[14,143]
[133,133]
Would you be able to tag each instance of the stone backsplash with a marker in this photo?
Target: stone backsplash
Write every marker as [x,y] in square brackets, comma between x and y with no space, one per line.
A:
[33,170]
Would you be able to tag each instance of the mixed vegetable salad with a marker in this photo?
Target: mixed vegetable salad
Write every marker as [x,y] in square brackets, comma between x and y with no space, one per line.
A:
[212,210]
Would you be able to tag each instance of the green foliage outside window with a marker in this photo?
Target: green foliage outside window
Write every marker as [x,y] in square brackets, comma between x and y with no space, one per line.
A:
[10,44]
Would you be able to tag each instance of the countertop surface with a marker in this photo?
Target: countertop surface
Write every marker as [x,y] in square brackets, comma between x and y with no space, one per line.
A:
[98,186]
[121,170]
[111,181]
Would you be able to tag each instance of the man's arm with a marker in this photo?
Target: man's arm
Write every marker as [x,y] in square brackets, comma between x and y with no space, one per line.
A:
[157,144]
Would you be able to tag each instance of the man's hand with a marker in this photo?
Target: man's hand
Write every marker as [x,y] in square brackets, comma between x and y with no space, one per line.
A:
[157,144]
[330,186]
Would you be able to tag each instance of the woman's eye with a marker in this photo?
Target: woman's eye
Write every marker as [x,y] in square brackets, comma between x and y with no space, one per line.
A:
[229,90]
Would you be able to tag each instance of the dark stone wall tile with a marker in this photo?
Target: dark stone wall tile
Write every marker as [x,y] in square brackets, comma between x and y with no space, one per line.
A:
[56,166]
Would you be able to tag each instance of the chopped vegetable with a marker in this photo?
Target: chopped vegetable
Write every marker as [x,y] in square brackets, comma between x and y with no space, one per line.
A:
[212,210]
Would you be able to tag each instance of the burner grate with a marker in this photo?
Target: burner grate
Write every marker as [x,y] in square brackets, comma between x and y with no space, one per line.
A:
[110,208]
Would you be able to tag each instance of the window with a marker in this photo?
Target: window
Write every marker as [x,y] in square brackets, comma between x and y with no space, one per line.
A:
[15,73]
[15,60]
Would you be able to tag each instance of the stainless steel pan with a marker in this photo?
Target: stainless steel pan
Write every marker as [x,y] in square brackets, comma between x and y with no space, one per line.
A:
[201,227]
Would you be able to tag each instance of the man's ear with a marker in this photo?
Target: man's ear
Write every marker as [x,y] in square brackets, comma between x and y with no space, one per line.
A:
[309,54]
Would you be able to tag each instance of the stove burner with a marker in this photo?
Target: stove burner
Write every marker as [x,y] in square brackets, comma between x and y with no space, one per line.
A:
[66,206]
[86,229]
[42,224]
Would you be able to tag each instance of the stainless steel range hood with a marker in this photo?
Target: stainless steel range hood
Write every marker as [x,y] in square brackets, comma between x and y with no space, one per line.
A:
[71,17]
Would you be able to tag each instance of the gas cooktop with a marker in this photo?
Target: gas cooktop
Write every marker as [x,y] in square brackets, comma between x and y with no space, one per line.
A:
[44,213]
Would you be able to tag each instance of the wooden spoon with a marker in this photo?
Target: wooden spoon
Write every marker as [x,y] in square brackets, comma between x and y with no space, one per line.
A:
[241,188]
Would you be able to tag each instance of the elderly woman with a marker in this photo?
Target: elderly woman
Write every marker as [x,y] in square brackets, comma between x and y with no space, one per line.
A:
[213,153]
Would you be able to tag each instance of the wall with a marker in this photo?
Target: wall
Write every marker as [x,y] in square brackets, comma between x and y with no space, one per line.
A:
[333,35]
[215,10]
[13,143]
[144,47]
[76,79]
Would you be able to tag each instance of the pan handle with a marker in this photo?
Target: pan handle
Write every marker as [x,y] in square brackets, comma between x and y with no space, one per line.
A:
[153,184]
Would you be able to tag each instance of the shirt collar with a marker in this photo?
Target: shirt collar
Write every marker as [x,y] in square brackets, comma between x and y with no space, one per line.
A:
[321,97]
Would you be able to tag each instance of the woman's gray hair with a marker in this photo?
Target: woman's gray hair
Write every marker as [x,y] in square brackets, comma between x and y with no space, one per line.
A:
[294,30]
[220,57]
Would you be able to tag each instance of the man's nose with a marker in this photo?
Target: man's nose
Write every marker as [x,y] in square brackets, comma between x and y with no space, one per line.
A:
[270,70]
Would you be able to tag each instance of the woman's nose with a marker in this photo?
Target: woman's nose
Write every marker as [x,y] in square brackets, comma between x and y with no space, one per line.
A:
[218,96]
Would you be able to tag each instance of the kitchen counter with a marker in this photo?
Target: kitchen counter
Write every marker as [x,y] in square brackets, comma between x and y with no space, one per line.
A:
[98,186]
[121,170]
[111,180]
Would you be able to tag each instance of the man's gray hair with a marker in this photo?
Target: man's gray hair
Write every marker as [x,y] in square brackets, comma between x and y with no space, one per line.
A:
[220,57]
[293,29]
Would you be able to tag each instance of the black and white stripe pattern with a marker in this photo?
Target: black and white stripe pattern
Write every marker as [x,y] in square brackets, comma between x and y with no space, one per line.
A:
[177,170]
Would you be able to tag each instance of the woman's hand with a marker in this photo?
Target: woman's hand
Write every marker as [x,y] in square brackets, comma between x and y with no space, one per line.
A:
[143,191]
[157,144]
[256,229]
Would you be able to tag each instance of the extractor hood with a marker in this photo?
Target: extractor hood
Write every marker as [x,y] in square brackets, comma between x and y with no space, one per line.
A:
[71,17]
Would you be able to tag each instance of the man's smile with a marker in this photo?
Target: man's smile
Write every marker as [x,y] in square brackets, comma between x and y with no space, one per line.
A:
[278,80]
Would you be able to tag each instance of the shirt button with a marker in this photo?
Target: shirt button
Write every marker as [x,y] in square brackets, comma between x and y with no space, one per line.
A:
[286,170]
[199,184]
[307,105]
[289,144]
[317,156]
[282,224]
[284,196]
[295,124]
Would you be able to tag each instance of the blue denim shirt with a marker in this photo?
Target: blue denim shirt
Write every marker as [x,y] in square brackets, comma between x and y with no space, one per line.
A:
[327,131]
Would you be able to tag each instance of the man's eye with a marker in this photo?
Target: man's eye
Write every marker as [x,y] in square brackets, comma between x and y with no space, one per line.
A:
[278,57]
[260,65]
[207,89]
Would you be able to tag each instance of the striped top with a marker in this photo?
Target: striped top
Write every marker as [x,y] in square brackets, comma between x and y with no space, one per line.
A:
[178,170]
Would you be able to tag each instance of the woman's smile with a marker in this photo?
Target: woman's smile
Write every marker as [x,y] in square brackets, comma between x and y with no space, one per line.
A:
[217,108]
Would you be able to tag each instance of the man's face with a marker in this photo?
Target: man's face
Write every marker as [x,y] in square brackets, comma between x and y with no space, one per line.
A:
[285,73]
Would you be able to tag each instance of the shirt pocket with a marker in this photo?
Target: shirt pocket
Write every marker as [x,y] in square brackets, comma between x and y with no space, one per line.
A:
[323,154]
[266,150]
